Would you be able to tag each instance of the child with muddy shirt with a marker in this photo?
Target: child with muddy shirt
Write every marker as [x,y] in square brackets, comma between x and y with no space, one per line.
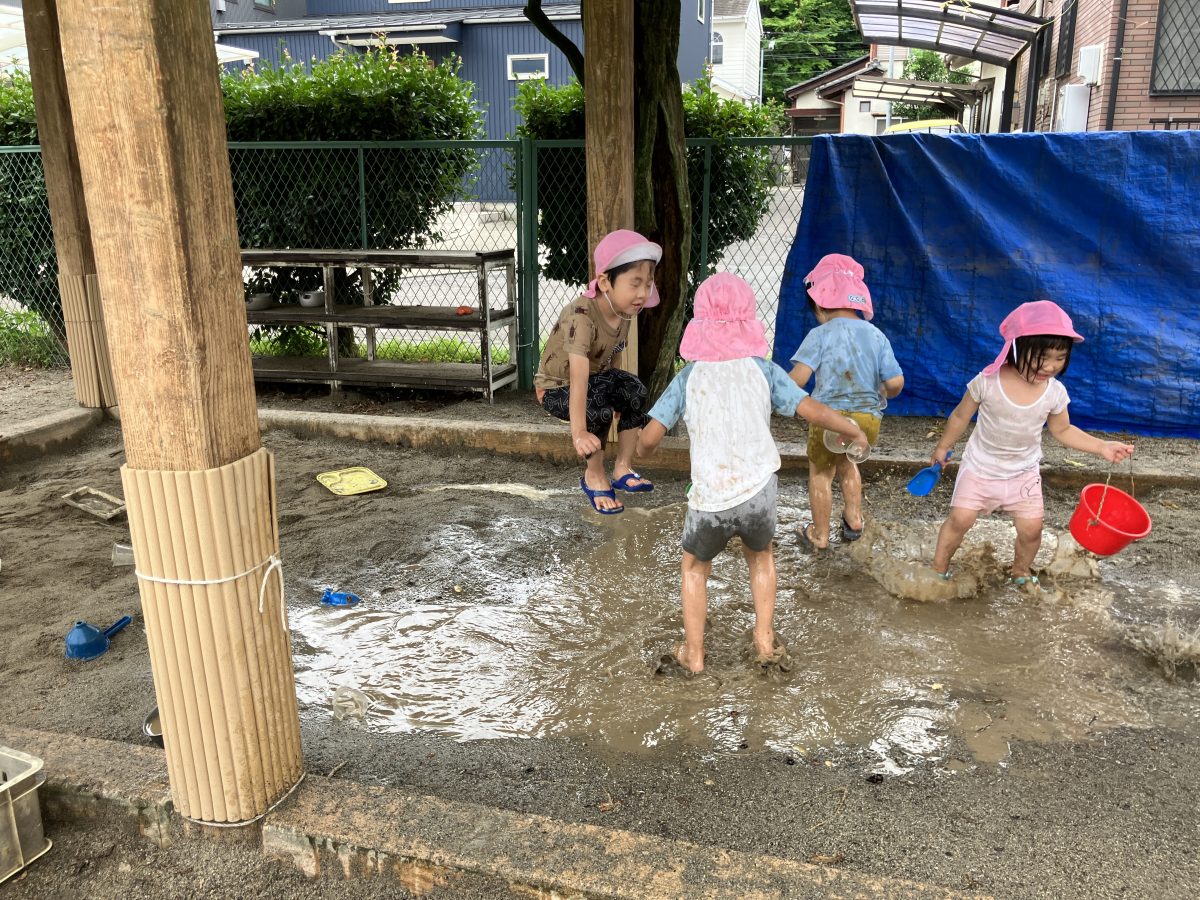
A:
[725,395]
[1015,397]
[579,379]
[856,372]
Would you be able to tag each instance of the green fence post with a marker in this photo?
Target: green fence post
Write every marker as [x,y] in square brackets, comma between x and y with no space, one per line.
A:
[362,200]
[527,292]
[706,191]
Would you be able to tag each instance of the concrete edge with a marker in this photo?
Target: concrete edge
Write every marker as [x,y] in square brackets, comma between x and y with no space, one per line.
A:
[338,828]
[48,433]
[552,442]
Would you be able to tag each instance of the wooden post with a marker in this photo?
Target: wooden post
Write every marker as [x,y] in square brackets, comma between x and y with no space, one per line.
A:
[608,118]
[86,341]
[143,86]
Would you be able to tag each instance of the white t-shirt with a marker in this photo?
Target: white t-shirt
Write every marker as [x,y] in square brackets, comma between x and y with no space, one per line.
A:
[1007,439]
[727,407]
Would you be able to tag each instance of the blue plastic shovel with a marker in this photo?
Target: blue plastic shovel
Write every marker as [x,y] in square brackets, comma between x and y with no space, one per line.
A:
[86,641]
[923,482]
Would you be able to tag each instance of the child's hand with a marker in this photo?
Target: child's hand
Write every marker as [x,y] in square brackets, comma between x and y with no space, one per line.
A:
[586,444]
[1115,451]
[859,446]
[940,455]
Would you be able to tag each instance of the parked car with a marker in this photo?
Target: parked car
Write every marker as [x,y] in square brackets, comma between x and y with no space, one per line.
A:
[927,126]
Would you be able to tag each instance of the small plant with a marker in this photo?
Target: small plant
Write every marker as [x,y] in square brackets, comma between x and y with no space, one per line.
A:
[27,340]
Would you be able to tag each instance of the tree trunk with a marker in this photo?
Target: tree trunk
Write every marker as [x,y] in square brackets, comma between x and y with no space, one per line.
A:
[662,207]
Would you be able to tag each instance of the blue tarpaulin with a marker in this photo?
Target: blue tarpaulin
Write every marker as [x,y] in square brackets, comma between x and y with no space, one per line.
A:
[956,231]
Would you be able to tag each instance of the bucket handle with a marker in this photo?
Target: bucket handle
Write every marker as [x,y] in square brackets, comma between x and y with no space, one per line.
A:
[1095,520]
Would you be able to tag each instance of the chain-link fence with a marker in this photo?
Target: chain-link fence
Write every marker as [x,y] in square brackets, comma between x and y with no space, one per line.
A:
[31,324]
[450,195]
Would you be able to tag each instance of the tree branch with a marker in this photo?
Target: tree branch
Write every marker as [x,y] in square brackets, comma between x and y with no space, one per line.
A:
[533,12]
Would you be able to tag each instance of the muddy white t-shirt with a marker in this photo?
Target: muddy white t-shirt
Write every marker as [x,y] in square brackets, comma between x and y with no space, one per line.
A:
[727,407]
[1007,439]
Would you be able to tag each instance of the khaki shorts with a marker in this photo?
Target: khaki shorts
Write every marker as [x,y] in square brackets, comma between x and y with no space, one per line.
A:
[821,457]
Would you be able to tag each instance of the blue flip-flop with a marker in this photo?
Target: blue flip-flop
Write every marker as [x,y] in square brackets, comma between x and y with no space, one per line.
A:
[592,495]
[622,484]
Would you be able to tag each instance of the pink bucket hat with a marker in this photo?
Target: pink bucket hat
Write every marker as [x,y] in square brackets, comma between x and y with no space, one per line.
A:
[726,324]
[620,247]
[837,283]
[1036,317]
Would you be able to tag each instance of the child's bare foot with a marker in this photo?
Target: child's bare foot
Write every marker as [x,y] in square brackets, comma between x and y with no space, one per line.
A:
[679,662]
[764,641]
[771,654]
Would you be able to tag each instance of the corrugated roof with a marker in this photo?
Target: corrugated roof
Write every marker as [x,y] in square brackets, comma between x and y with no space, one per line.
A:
[970,28]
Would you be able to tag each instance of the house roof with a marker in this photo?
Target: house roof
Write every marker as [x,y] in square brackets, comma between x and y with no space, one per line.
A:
[899,90]
[731,9]
[393,22]
[970,28]
[817,81]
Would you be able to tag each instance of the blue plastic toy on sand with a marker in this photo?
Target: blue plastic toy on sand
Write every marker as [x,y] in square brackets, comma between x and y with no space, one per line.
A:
[86,641]
[923,482]
[339,598]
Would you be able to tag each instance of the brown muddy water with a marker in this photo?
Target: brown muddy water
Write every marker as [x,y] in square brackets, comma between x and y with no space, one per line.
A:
[567,648]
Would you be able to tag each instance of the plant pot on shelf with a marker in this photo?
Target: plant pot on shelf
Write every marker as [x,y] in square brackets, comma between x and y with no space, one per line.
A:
[312,298]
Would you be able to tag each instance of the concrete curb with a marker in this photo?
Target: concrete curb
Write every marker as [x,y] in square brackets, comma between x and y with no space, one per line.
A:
[332,827]
[48,433]
[552,442]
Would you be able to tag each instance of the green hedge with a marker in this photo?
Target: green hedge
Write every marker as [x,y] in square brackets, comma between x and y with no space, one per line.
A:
[740,178]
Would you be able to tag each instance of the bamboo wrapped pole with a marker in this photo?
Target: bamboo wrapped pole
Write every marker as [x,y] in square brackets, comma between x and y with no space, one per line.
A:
[82,316]
[198,485]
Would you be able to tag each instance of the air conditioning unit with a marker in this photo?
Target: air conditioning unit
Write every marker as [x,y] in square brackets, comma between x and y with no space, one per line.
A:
[1089,63]
[1073,103]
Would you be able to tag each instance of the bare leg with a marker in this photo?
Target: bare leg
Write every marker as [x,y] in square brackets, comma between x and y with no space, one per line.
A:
[852,493]
[762,588]
[597,480]
[626,444]
[1029,539]
[951,535]
[695,609]
[820,499]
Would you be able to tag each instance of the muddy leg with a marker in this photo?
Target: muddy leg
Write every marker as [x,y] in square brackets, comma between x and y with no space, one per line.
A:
[951,535]
[820,499]
[1029,539]
[762,588]
[695,608]
[852,494]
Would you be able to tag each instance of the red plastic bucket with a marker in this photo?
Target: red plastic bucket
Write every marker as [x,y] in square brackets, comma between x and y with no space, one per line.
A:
[1107,519]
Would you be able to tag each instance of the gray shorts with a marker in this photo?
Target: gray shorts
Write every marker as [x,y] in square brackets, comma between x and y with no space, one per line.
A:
[705,534]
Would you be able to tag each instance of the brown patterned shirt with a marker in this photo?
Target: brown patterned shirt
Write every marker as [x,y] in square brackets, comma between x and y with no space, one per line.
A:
[580,330]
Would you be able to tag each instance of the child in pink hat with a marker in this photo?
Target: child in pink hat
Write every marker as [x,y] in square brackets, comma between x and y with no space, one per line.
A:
[1014,397]
[725,395]
[579,379]
[856,372]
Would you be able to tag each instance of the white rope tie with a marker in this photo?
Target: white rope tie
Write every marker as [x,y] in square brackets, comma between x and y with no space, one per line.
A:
[273,564]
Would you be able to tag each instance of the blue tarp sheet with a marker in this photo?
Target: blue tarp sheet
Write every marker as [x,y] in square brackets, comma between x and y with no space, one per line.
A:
[956,231]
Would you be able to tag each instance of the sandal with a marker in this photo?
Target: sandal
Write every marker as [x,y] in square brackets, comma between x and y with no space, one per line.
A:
[1023,580]
[592,495]
[622,484]
[851,534]
[806,543]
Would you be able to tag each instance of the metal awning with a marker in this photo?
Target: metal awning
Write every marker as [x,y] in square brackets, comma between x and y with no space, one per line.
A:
[919,93]
[442,33]
[968,28]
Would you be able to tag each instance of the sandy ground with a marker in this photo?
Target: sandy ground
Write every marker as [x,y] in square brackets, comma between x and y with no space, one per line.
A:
[1110,813]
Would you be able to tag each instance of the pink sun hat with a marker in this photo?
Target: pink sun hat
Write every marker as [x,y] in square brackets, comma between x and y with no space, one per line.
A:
[837,283]
[1035,317]
[726,324]
[618,248]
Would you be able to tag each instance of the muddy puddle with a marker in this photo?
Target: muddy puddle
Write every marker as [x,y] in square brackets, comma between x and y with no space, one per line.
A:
[503,630]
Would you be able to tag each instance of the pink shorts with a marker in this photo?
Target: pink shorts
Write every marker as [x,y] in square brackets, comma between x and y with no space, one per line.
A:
[1020,497]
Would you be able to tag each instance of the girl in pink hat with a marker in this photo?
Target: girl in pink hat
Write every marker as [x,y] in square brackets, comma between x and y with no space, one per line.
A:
[725,395]
[855,371]
[1014,397]
[579,379]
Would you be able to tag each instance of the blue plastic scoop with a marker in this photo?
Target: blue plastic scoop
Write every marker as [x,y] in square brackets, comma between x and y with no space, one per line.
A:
[86,641]
[923,482]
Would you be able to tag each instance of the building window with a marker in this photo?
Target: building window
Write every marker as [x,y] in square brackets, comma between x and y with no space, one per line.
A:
[527,66]
[264,4]
[1176,49]
[718,49]
[1046,41]
[1066,38]
[700,10]
[864,106]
